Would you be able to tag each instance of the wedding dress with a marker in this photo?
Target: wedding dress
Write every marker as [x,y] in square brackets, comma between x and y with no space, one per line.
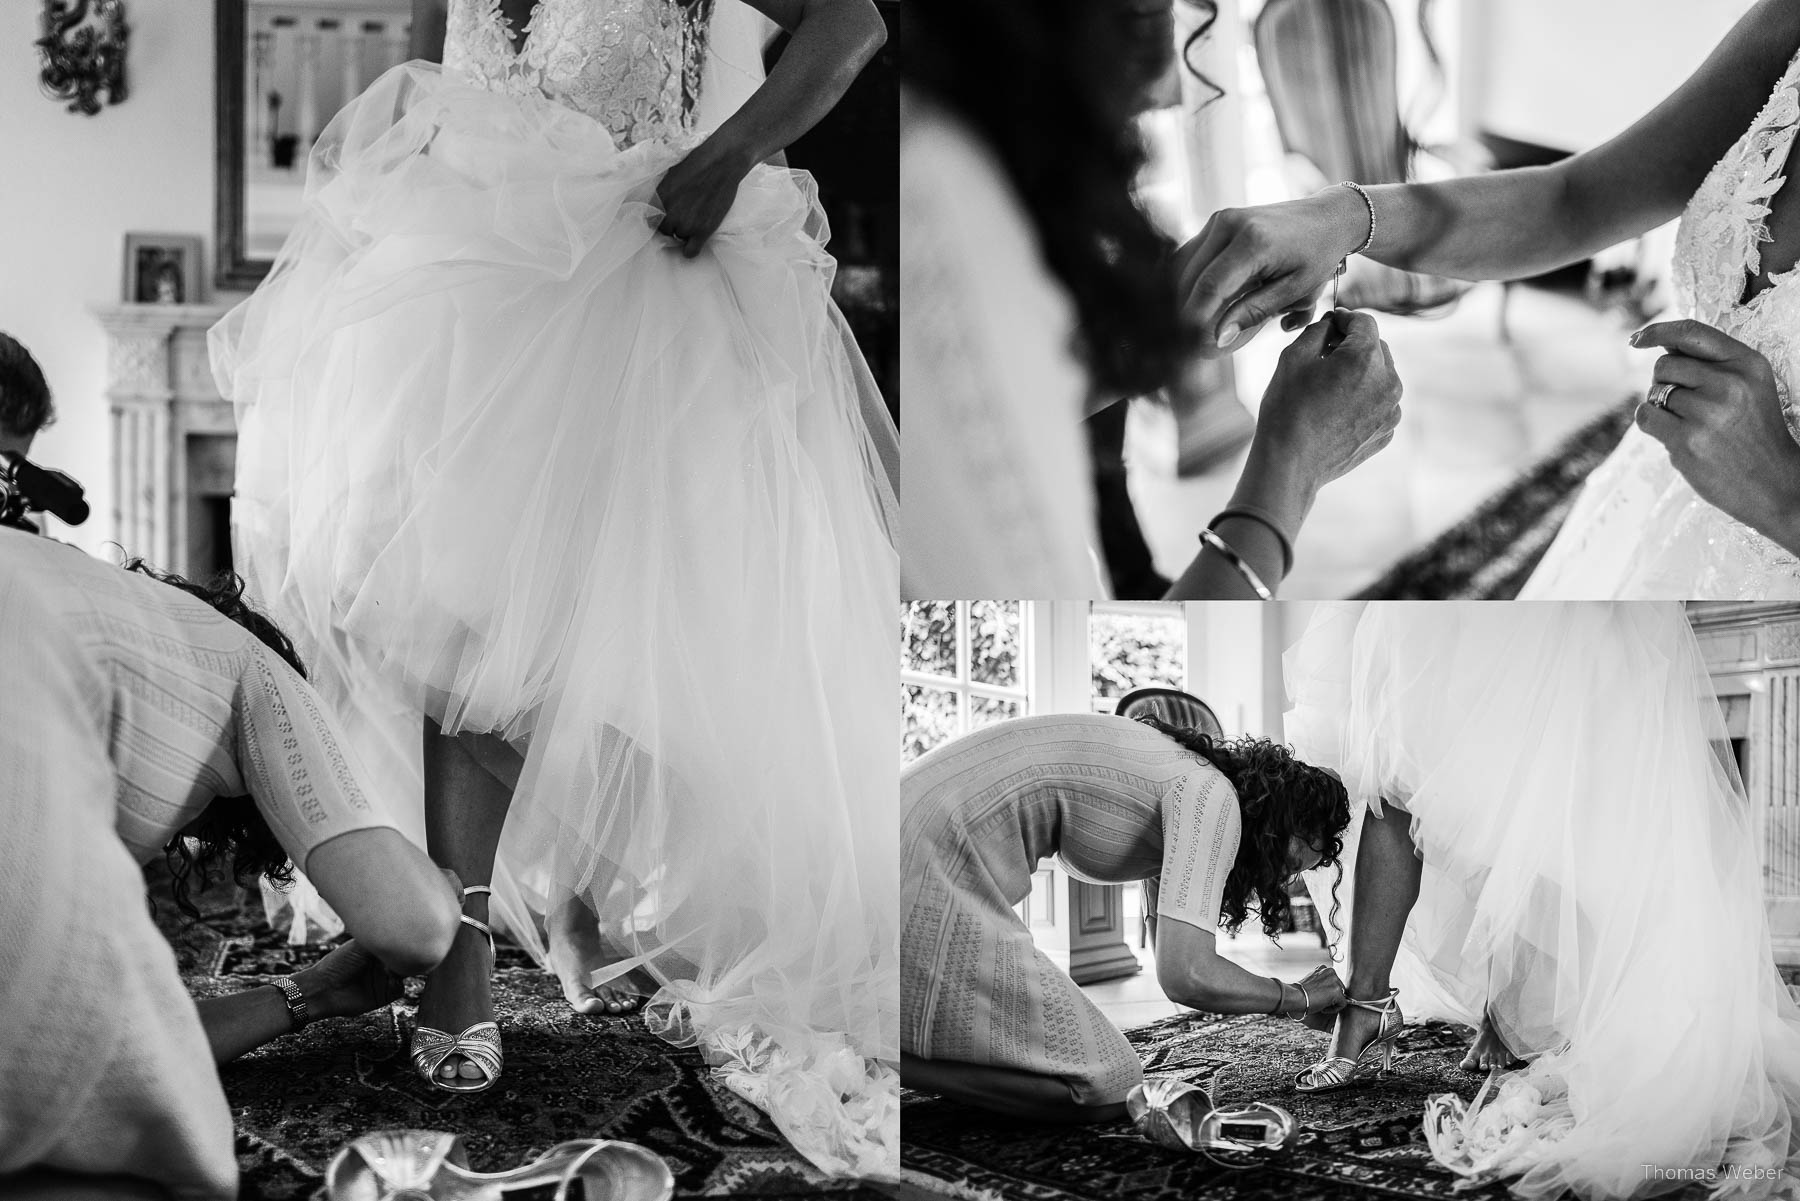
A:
[1638,529]
[1590,878]
[507,459]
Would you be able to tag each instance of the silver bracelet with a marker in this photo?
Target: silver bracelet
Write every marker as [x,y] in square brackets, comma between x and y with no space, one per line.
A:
[1252,513]
[1237,562]
[1370,205]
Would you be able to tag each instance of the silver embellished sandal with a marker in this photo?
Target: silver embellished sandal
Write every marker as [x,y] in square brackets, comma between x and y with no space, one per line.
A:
[1341,1072]
[479,1044]
[429,1165]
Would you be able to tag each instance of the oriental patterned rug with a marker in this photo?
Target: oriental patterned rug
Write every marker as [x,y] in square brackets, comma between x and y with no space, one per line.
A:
[297,1100]
[1364,1143]
[1489,554]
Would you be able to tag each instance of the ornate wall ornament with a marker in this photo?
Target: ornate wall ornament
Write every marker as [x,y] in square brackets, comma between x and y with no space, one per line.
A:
[84,57]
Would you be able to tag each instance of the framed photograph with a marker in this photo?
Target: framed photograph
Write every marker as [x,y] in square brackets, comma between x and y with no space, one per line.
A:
[162,269]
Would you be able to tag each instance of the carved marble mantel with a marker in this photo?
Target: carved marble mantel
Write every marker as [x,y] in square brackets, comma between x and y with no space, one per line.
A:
[1753,654]
[163,404]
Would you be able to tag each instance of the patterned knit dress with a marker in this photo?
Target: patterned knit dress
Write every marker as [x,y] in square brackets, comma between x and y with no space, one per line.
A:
[1114,801]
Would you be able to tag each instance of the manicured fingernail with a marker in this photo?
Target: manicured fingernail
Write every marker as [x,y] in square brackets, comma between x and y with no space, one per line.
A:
[1227,336]
[1635,335]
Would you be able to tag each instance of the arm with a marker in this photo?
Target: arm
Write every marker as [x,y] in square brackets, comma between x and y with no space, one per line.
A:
[1323,414]
[1191,972]
[1250,264]
[347,981]
[390,895]
[832,41]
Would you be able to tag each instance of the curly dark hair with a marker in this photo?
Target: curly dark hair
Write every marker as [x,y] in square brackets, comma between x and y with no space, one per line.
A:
[1278,797]
[1051,86]
[25,406]
[231,837]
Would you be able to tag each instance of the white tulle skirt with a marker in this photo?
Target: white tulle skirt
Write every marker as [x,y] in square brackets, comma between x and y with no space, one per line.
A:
[507,459]
[1590,878]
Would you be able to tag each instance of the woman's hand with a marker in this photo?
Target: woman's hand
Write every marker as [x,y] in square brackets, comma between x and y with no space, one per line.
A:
[1327,410]
[347,981]
[1249,265]
[698,192]
[1723,426]
[1325,992]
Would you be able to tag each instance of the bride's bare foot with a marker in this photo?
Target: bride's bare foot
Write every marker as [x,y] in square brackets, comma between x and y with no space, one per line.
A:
[576,952]
[1489,1050]
[459,992]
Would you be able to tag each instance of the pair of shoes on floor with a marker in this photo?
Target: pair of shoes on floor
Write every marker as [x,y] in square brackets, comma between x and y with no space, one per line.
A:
[420,1165]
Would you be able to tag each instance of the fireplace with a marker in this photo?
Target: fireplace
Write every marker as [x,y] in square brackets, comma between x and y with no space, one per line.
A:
[1753,654]
[174,440]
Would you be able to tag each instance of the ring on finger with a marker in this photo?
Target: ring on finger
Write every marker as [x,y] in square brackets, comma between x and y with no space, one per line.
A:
[1659,395]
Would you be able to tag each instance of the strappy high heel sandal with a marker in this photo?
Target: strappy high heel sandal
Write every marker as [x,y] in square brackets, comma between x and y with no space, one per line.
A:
[418,1165]
[479,1044]
[1340,1072]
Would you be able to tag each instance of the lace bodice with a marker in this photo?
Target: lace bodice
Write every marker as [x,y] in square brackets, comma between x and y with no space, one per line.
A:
[1718,249]
[633,65]
[1639,530]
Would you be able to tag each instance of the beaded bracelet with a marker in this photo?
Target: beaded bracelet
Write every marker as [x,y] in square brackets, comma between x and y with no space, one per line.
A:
[1370,205]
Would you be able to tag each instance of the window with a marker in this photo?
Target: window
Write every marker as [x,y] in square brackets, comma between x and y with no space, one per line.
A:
[963,665]
[1135,646]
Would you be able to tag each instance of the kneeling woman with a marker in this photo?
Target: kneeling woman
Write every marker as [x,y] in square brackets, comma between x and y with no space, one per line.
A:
[135,717]
[986,1017]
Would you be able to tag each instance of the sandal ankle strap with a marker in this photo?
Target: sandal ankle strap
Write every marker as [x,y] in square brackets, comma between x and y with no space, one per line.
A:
[1385,1005]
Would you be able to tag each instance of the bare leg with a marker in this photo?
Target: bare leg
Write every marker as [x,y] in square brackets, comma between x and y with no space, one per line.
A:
[1004,1090]
[1387,884]
[465,809]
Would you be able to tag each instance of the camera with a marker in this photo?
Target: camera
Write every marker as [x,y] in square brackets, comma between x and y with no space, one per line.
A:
[27,488]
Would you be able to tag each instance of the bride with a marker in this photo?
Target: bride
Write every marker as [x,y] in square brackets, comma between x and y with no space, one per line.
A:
[1715,153]
[556,452]
[1553,849]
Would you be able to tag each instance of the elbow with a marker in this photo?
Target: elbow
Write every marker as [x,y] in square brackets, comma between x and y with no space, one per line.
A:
[876,35]
[1185,986]
[870,32]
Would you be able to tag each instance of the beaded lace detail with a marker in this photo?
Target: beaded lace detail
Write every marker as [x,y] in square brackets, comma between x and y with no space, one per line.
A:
[1688,548]
[632,65]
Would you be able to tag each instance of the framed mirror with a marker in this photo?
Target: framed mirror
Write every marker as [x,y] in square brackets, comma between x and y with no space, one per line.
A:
[282,69]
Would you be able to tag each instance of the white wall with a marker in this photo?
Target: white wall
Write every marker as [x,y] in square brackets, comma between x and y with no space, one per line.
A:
[73,186]
[1571,73]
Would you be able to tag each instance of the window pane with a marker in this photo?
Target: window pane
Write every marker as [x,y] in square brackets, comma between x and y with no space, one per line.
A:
[996,643]
[928,717]
[1135,650]
[986,710]
[928,637]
